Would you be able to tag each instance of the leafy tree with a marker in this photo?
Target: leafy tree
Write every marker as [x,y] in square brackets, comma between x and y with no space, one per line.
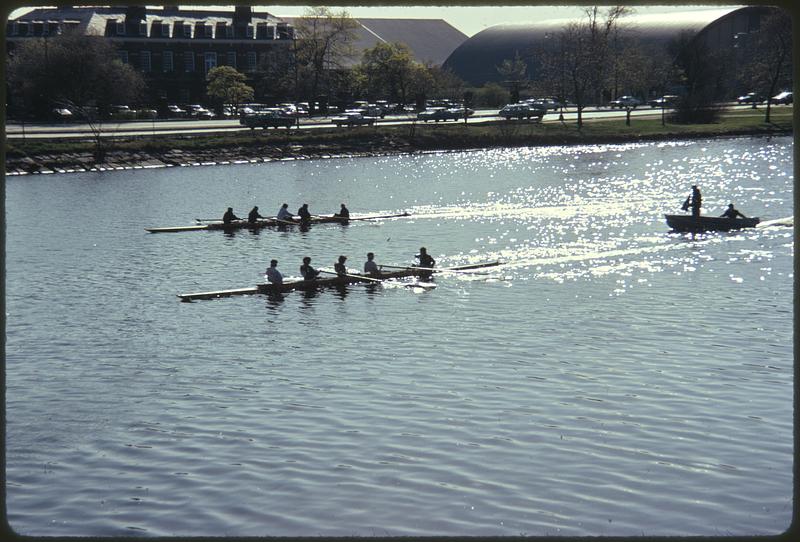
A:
[71,68]
[513,71]
[388,70]
[227,85]
[275,76]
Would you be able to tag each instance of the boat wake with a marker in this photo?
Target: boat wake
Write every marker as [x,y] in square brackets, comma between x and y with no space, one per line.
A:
[785,221]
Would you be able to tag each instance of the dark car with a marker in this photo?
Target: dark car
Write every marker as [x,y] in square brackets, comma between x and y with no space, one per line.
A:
[624,102]
[523,111]
[784,97]
[750,98]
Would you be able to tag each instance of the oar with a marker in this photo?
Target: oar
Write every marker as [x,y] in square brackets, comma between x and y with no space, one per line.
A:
[359,277]
[208,219]
[436,270]
[362,277]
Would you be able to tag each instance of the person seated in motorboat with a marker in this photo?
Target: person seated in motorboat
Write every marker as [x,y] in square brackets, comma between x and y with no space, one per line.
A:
[339,266]
[343,212]
[229,217]
[304,214]
[284,214]
[370,267]
[253,216]
[426,261]
[732,212]
[308,272]
[273,275]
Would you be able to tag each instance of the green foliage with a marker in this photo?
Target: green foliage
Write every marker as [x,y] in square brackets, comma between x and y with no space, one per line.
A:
[490,95]
[227,85]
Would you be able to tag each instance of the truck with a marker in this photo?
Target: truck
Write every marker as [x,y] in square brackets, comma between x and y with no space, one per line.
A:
[267,118]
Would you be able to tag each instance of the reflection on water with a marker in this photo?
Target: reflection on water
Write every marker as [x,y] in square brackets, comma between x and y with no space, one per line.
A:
[609,378]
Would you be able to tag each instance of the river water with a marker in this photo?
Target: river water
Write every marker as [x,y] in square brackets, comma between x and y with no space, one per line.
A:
[611,378]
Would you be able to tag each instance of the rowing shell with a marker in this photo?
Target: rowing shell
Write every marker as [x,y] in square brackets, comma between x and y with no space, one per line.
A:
[269,288]
[267,223]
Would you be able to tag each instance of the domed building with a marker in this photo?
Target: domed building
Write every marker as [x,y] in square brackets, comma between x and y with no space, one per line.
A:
[476,60]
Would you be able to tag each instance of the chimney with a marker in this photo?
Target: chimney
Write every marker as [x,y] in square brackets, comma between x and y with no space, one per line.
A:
[135,14]
[242,15]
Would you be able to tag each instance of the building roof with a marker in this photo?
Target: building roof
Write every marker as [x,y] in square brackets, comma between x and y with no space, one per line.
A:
[430,40]
[477,58]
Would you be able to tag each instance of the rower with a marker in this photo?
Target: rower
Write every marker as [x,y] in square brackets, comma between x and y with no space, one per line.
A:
[339,266]
[273,275]
[370,267]
[308,272]
[343,212]
[284,214]
[305,215]
[731,212]
[425,260]
[229,217]
[253,216]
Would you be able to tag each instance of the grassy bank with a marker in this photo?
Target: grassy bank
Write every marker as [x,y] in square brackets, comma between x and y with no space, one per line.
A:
[38,154]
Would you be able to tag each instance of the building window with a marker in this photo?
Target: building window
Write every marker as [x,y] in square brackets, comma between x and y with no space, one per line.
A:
[187,30]
[166,63]
[211,61]
[123,56]
[164,30]
[120,28]
[208,31]
[229,31]
[251,60]
[188,61]
[250,31]
[143,29]
[232,59]
[144,60]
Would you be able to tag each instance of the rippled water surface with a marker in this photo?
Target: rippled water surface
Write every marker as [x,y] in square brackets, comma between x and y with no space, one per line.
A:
[610,379]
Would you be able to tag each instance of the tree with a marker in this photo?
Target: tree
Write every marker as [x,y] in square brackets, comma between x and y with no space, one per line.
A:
[584,53]
[323,45]
[388,69]
[513,71]
[228,86]
[768,55]
[701,73]
[274,78]
[71,68]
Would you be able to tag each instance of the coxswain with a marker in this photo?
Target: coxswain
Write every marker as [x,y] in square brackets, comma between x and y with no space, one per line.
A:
[731,212]
[273,275]
[370,267]
[343,212]
[253,216]
[229,217]
[304,214]
[339,266]
[426,261]
[308,272]
[284,214]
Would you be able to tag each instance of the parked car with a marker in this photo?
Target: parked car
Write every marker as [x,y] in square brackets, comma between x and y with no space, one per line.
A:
[121,112]
[624,102]
[146,113]
[199,112]
[175,111]
[523,111]
[273,117]
[435,114]
[353,118]
[784,97]
[548,103]
[750,98]
[62,113]
[668,100]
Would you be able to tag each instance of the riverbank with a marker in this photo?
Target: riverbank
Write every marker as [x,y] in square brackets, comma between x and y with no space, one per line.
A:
[38,156]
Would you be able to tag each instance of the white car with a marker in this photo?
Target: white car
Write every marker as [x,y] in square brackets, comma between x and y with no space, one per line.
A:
[353,118]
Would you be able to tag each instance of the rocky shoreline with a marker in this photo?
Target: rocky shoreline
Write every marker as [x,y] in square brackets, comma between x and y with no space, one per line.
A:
[119,159]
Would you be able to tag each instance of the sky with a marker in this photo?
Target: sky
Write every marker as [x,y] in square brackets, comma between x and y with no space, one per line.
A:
[468,19]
